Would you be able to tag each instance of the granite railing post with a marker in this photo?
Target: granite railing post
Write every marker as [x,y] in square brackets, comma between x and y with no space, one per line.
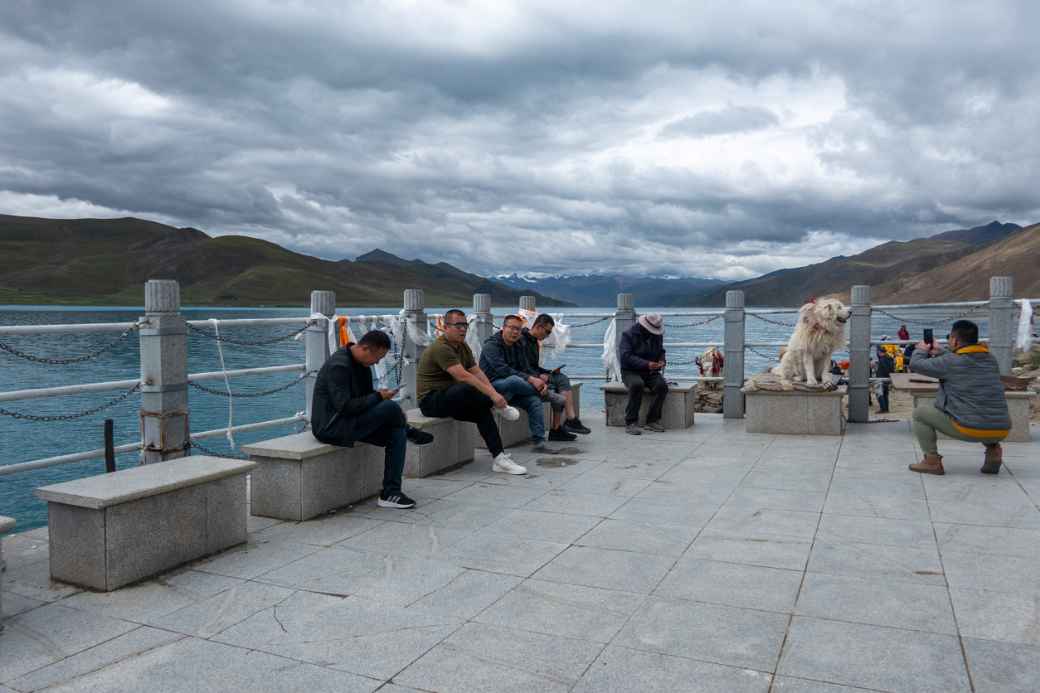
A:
[528,303]
[859,355]
[485,322]
[733,356]
[164,373]
[316,341]
[624,318]
[415,326]
[1002,322]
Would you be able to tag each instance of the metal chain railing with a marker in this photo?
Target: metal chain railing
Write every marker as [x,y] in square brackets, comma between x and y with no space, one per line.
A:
[245,342]
[593,322]
[756,352]
[930,321]
[193,443]
[69,417]
[698,323]
[763,318]
[47,360]
[256,393]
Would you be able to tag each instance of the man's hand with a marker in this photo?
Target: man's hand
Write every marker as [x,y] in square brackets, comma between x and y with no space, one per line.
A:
[926,347]
[387,394]
[656,365]
[544,377]
[537,383]
[499,401]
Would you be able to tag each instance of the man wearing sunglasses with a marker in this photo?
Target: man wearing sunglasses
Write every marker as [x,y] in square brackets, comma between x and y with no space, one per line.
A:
[561,395]
[505,361]
[450,384]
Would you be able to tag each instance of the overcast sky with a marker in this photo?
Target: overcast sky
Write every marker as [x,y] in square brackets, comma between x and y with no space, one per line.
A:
[721,139]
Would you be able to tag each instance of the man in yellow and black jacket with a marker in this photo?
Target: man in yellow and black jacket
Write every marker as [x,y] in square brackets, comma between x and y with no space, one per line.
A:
[970,404]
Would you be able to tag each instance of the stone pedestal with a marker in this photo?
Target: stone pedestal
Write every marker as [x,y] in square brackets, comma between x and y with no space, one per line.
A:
[679,407]
[795,412]
[1018,407]
[442,453]
[6,524]
[114,529]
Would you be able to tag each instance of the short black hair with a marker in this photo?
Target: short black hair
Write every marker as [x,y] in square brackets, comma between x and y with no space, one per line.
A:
[454,311]
[511,317]
[966,331]
[375,340]
[544,319]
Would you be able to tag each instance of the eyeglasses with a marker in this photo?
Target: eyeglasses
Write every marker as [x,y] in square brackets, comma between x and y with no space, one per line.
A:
[457,325]
[513,328]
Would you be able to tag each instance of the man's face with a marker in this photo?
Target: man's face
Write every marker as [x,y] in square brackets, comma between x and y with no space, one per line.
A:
[511,332]
[370,357]
[952,343]
[540,332]
[455,328]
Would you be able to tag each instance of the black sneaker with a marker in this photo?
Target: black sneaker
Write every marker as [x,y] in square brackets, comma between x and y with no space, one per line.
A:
[543,449]
[396,500]
[419,437]
[576,426]
[559,434]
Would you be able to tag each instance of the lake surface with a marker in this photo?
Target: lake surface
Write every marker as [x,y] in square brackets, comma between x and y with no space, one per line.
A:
[22,441]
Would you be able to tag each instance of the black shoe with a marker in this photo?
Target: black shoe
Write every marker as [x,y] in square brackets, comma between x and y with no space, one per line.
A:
[419,437]
[576,426]
[543,449]
[396,500]
[560,434]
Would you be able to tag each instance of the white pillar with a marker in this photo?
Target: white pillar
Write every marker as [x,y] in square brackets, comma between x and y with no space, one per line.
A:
[415,321]
[859,355]
[1002,322]
[528,303]
[624,318]
[485,323]
[733,355]
[316,341]
[164,374]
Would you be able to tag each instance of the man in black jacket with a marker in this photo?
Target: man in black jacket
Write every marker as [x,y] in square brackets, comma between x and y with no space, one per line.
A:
[641,354]
[886,366]
[560,394]
[346,409]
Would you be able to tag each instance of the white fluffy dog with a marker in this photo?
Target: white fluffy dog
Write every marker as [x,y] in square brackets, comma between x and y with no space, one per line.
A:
[819,332]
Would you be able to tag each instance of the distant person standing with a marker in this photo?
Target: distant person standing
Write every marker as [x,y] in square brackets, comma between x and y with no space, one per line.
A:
[886,365]
[970,404]
[903,334]
[642,357]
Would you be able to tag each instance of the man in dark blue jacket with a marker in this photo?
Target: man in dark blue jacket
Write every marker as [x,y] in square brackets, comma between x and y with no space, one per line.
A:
[346,409]
[641,354]
[504,360]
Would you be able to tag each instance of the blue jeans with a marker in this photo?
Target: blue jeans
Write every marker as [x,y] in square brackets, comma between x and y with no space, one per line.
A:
[385,425]
[518,391]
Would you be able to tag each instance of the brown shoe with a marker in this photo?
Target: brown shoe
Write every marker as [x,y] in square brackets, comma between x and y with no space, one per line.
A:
[991,462]
[931,464]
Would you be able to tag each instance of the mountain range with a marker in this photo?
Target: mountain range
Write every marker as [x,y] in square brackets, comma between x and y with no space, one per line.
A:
[107,261]
[602,289]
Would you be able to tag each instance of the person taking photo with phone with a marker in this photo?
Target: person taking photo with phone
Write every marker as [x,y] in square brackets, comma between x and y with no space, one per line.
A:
[346,408]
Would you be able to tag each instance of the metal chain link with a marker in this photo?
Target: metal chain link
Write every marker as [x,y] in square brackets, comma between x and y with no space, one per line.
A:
[771,321]
[695,324]
[594,322]
[73,359]
[930,321]
[759,353]
[69,417]
[192,443]
[244,342]
[258,393]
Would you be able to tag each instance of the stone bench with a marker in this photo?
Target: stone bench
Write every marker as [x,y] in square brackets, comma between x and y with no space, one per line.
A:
[299,477]
[6,524]
[114,529]
[1018,406]
[679,406]
[794,412]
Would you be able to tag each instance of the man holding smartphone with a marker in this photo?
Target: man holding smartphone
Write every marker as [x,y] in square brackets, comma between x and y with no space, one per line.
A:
[559,384]
[346,409]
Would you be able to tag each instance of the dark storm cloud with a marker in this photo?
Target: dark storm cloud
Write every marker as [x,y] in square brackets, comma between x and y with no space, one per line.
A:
[462,132]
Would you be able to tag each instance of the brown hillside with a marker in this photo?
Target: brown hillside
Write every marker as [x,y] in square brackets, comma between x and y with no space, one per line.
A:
[967,278]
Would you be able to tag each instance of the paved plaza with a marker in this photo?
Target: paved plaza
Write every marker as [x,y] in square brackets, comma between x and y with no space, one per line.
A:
[701,560]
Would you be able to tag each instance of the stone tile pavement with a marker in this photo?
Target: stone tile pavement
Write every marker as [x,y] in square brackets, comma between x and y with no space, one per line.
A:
[701,560]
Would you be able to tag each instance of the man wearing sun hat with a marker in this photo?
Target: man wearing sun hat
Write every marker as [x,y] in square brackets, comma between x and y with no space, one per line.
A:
[641,354]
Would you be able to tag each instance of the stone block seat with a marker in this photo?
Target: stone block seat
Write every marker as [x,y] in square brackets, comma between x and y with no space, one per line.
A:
[299,477]
[678,410]
[6,524]
[114,529]
[797,412]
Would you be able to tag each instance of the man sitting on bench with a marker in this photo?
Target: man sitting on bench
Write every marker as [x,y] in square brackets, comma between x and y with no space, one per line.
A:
[347,409]
[559,383]
[641,354]
[449,383]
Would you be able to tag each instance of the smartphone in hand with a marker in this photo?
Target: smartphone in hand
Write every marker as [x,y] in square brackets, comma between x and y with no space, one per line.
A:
[928,336]
[559,368]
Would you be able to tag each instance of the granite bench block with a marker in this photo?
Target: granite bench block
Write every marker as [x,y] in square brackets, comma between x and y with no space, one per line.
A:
[442,453]
[1018,406]
[6,524]
[114,529]
[794,412]
[678,411]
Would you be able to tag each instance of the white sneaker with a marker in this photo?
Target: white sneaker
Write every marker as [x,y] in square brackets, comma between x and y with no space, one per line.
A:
[511,414]
[505,464]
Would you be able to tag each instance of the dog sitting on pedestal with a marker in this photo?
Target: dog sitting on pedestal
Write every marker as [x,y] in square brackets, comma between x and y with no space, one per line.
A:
[819,332]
